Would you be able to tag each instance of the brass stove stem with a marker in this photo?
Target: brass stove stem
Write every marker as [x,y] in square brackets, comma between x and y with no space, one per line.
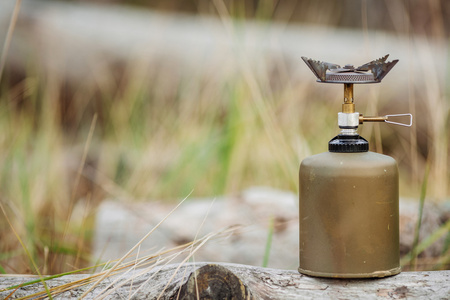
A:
[348,107]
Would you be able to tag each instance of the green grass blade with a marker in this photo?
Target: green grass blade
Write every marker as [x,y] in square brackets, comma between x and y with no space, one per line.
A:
[443,262]
[26,250]
[268,243]
[50,277]
[423,192]
[446,247]
[427,242]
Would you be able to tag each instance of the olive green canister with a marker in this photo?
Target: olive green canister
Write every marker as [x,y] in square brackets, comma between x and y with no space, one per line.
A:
[349,215]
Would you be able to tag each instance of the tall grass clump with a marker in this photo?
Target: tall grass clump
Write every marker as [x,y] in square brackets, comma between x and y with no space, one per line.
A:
[139,134]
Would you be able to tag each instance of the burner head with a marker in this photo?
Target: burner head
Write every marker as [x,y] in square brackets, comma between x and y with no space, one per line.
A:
[372,72]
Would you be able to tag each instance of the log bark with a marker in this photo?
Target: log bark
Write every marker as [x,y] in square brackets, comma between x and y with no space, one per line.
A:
[232,281]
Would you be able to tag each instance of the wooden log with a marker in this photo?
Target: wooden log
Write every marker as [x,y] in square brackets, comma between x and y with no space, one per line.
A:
[232,281]
[69,36]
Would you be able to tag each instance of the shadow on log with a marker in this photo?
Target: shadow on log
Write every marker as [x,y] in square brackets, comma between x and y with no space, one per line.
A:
[231,281]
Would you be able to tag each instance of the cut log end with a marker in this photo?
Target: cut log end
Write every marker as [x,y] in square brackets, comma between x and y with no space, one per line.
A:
[214,281]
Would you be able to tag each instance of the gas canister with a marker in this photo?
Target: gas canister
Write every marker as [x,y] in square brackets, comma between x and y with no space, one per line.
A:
[349,196]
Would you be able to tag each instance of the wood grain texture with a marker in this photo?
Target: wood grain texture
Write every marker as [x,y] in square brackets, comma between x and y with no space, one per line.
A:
[232,281]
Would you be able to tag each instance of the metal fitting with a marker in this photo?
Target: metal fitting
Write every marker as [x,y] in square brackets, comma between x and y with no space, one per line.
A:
[348,121]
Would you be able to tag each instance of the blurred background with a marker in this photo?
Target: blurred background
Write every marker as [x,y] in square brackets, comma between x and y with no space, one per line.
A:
[151,100]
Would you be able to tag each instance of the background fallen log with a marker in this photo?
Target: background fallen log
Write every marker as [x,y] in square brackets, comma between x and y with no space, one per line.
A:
[77,40]
[119,227]
[239,281]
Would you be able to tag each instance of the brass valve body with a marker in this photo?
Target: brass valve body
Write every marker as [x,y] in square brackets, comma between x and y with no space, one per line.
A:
[348,107]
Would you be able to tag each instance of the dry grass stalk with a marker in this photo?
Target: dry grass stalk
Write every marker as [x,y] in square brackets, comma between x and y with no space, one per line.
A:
[140,266]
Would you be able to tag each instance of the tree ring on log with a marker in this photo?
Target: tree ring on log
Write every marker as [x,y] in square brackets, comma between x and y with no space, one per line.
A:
[214,282]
